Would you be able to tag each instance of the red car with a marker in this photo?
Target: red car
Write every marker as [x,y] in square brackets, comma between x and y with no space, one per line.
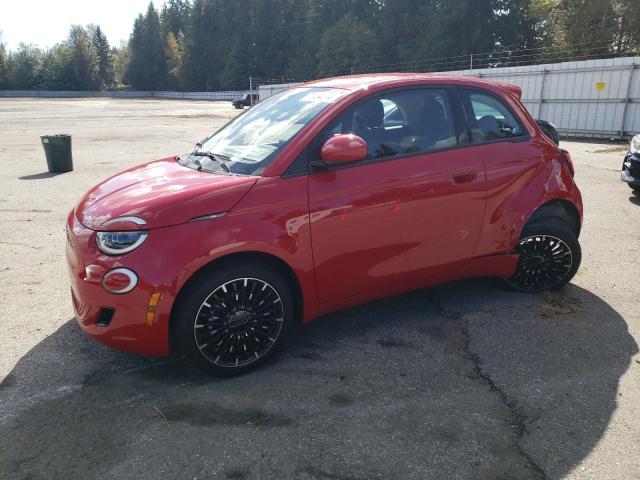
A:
[327,195]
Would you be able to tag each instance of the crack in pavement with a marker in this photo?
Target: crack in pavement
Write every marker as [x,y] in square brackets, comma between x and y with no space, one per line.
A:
[518,418]
[519,422]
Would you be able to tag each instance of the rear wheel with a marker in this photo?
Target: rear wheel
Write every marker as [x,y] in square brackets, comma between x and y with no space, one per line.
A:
[549,256]
[233,319]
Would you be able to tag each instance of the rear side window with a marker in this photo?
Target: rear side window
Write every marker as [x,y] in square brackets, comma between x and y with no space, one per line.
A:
[400,123]
[489,118]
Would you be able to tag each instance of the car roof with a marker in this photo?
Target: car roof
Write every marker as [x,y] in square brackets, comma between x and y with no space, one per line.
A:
[378,81]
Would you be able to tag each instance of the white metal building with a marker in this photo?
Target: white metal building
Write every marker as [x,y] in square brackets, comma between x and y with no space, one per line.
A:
[592,98]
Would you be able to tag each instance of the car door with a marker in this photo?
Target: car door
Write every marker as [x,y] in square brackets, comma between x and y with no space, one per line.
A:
[415,204]
[512,160]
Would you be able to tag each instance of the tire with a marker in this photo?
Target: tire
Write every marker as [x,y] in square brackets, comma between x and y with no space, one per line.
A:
[635,187]
[550,256]
[234,317]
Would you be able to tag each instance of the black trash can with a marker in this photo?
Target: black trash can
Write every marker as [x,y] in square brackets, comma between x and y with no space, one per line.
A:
[57,149]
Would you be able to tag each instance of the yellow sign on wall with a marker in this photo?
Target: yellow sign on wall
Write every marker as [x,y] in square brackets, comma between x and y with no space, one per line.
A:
[600,86]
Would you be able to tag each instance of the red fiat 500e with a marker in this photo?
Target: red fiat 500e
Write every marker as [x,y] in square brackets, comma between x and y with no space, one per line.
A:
[323,196]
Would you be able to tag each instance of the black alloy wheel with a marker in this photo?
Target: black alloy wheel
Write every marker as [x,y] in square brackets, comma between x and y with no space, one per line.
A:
[549,256]
[232,317]
[238,322]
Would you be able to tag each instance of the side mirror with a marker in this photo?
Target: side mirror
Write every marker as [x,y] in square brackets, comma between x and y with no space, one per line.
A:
[344,149]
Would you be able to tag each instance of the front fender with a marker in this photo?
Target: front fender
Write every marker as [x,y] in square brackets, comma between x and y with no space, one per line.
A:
[272,219]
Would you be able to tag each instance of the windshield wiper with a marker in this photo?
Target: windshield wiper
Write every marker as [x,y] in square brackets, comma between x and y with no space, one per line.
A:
[221,159]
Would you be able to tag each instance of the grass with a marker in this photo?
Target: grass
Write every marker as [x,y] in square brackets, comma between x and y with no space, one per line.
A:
[557,304]
[614,149]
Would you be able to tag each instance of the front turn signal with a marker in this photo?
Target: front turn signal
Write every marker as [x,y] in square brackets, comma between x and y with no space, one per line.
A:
[151,309]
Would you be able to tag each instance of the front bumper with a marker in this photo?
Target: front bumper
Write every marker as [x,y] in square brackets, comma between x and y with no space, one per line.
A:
[631,169]
[127,327]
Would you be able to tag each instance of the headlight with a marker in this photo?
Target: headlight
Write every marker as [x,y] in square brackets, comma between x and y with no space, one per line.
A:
[635,144]
[118,243]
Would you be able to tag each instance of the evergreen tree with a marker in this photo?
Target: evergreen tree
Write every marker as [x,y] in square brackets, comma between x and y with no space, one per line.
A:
[348,43]
[174,17]
[147,68]
[134,72]
[105,60]
[589,24]
[451,28]
[218,44]
[201,64]
[627,26]
[3,67]
[516,25]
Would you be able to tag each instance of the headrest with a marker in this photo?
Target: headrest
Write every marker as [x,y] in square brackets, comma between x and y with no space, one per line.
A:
[489,125]
[433,110]
[370,113]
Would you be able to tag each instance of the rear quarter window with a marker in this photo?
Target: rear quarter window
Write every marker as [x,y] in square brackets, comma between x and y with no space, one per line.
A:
[489,118]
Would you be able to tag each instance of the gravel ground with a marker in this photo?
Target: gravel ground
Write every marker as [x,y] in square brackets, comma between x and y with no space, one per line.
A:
[462,381]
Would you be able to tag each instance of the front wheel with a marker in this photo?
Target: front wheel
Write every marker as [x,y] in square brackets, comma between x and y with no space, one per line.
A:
[549,256]
[234,318]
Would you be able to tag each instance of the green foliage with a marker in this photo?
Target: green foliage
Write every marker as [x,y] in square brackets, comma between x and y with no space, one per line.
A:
[147,69]
[3,67]
[106,75]
[121,57]
[173,17]
[25,68]
[218,44]
[201,64]
[349,42]
[83,60]
[174,52]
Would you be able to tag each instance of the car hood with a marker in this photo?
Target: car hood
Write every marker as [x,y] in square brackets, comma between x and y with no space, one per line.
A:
[162,193]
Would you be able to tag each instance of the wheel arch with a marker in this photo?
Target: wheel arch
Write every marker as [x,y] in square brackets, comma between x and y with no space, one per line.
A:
[266,259]
[558,208]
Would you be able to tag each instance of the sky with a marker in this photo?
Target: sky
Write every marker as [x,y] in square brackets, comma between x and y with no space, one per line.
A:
[47,22]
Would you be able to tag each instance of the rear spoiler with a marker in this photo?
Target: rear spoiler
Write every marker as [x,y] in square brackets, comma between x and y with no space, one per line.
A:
[511,88]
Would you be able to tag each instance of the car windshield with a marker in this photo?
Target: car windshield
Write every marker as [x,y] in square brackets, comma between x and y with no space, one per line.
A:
[249,144]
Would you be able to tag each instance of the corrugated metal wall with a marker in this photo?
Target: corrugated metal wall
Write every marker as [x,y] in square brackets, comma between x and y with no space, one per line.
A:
[593,98]
[265,91]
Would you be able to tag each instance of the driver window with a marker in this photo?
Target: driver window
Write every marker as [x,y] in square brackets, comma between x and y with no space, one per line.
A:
[401,122]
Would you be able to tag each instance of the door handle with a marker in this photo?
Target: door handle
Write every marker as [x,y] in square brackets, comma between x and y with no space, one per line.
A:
[465,177]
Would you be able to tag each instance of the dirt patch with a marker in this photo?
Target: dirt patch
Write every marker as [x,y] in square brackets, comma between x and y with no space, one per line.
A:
[613,149]
[557,304]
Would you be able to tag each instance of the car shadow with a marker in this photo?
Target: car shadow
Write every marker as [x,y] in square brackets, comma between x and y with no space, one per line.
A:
[458,381]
